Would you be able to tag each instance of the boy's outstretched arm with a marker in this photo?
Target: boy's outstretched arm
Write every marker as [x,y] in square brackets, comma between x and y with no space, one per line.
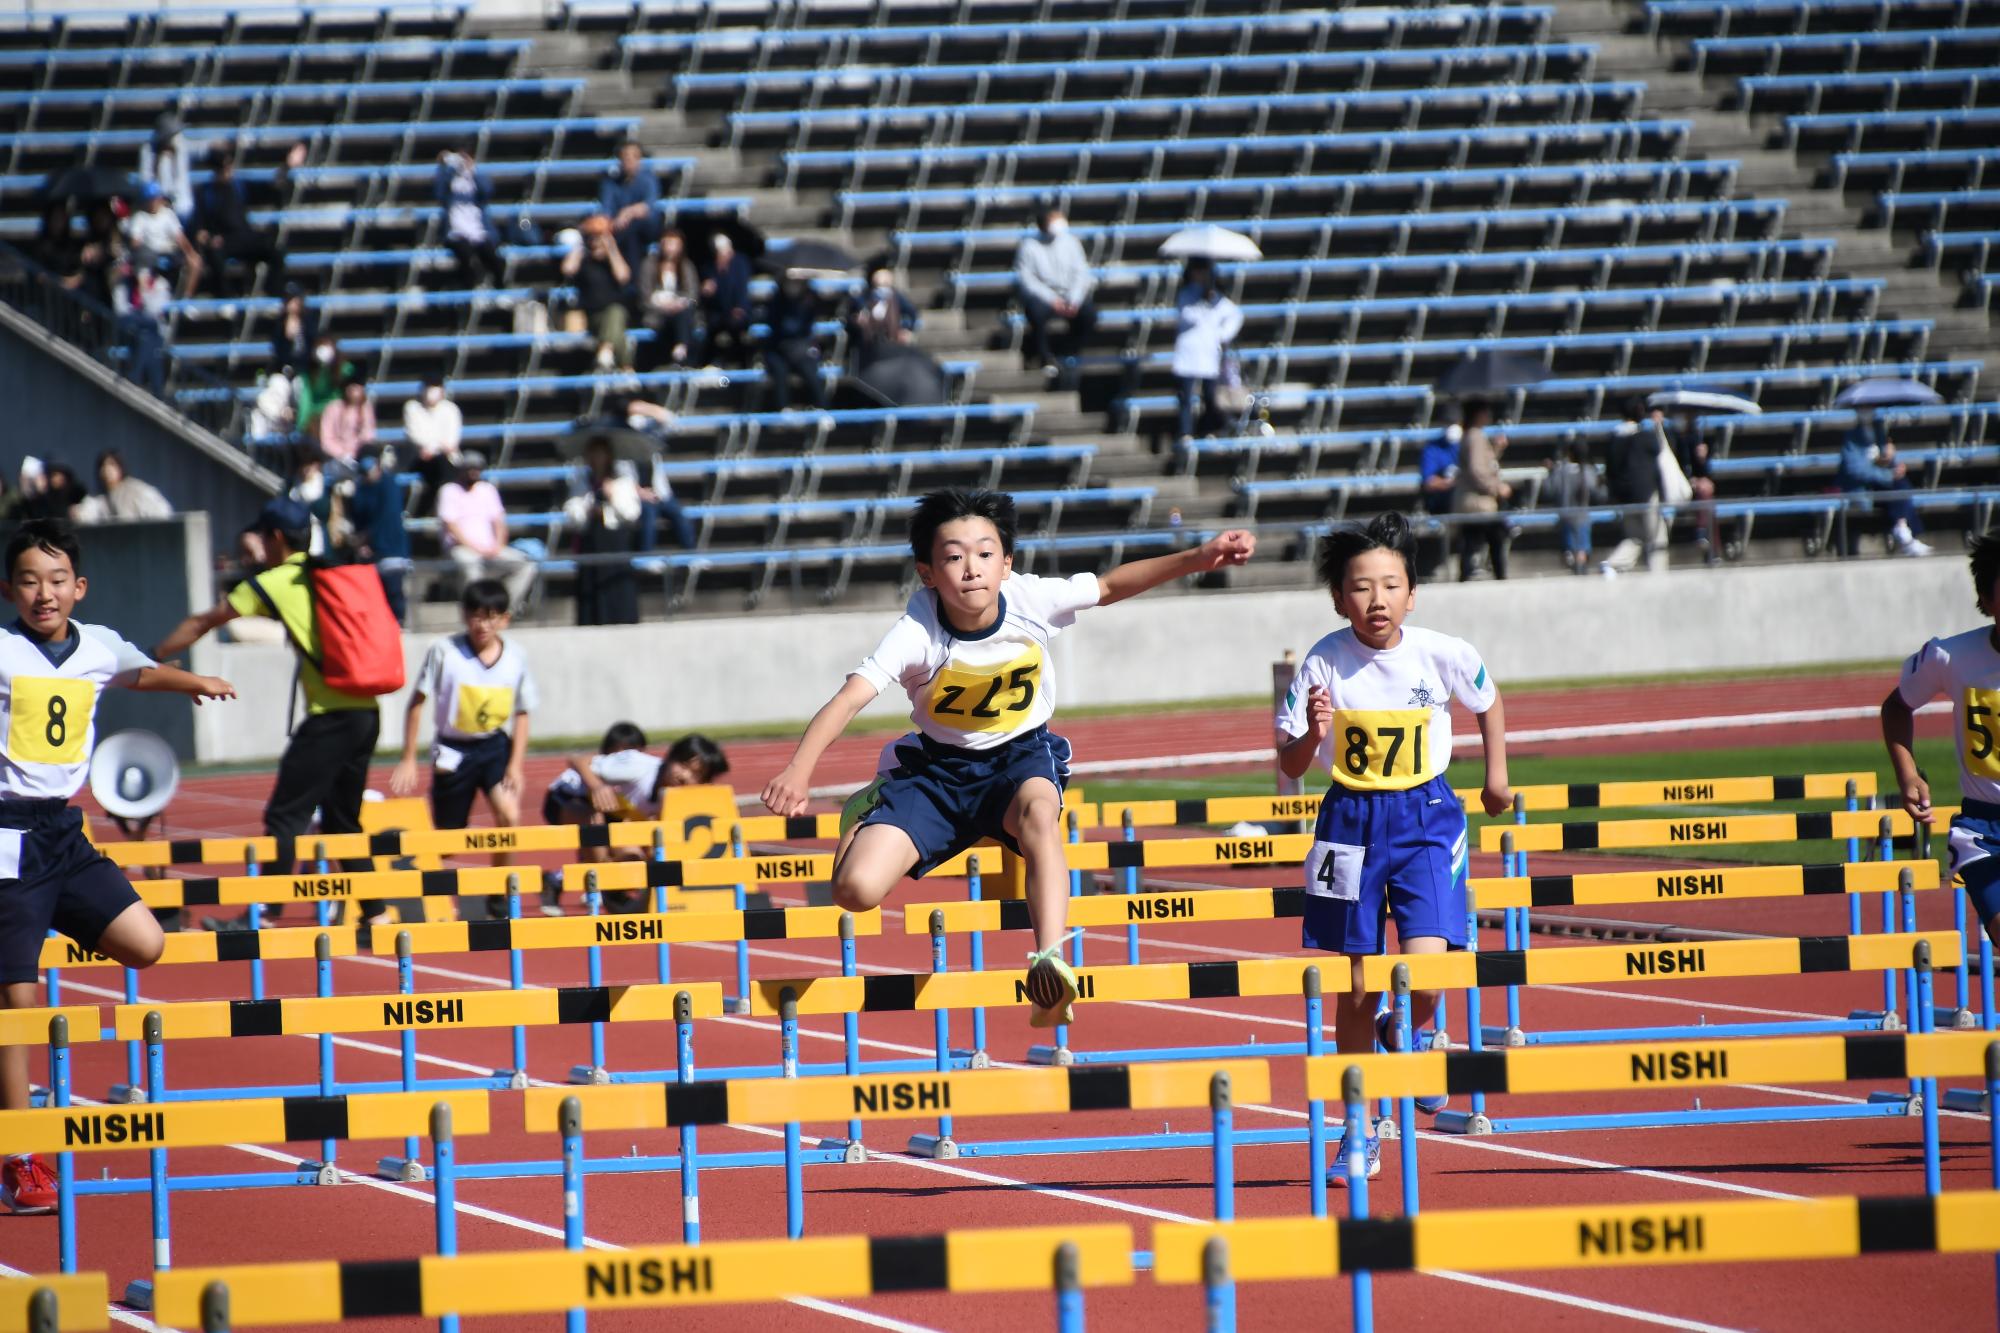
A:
[1234,547]
[1496,797]
[173,680]
[403,780]
[1899,733]
[788,793]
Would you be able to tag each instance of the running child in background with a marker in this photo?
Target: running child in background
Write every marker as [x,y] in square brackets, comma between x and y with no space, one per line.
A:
[481,682]
[972,653]
[623,782]
[51,671]
[1965,668]
[1372,702]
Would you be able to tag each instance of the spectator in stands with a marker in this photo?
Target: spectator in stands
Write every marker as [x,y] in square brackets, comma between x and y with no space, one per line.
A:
[1693,454]
[121,495]
[656,498]
[56,496]
[791,347]
[629,197]
[321,383]
[307,486]
[1571,486]
[1481,492]
[1437,473]
[475,529]
[57,246]
[155,233]
[375,518]
[1632,470]
[1868,463]
[725,300]
[168,163]
[140,295]
[295,333]
[347,425]
[668,291]
[463,192]
[885,317]
[222,231]
[603,281]
[1053,281]
[433,425]
[273,412]
[34,479]
[103,246]
[1209,322]
[604,510]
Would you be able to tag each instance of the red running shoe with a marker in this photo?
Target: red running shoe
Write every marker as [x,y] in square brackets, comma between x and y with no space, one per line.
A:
[27,1185]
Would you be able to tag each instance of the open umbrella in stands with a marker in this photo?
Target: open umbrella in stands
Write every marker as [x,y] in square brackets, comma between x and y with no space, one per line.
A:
[92,184]
[808,259]
[1483,373]
[902,376]
[627,445]
[1700,400]
[1218,244]
[1888,393]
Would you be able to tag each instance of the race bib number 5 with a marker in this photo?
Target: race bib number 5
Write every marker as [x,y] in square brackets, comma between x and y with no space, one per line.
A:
[1381,749]
[48,719]
[482,709]
[995,698]
[1982,730]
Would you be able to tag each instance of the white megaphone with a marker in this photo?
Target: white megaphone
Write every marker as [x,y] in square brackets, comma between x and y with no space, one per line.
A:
[133,775]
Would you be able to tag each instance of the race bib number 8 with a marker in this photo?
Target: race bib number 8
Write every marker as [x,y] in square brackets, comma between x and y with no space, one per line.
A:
[996,698]
[1982,733]
[48,719]
[482,709]
[1380,749]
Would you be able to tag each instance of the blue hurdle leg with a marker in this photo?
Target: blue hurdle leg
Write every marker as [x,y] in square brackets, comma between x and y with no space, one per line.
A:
[1130,875]
[323,987]
[788,1051]
[444,1195]
[1223,1115]
[665,954]
[1853,854]
[1925,1020]
[690,1179]
[742,901]
[940,1145]
[593,904]
[517,980]
[412,1165]
[1315,1107]
[1069,1289]
[255,917]
[1406,1107]
[1354,1155]
[977,947]
[65,1162]
[156,1164]
[574,1321]
[1219,1290]
[1075,891]
[850,1022]
[134,1051]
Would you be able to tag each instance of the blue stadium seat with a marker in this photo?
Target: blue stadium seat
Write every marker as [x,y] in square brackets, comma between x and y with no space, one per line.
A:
[1808,94]
[1901,51]
[1722,18]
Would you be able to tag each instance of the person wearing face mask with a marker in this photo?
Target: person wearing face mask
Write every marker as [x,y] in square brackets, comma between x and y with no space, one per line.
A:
[1052,280]
[884,318]
[433,425]
[1209,322]
[321,383]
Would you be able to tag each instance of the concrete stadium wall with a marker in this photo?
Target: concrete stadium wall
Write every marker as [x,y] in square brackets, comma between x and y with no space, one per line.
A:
[674,676]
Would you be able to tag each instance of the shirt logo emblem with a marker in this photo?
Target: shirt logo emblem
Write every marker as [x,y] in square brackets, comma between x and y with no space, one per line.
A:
[1421,697]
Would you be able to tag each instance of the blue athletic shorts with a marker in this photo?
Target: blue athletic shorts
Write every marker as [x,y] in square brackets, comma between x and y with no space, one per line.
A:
[1375,853]
[58,881]
[481,765]
[946,799]
[1975,855]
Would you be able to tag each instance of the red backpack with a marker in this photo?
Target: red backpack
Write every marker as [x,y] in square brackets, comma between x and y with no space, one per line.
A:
[360,643]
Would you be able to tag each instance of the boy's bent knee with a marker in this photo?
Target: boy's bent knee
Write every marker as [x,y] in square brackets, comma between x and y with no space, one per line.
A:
[852,894]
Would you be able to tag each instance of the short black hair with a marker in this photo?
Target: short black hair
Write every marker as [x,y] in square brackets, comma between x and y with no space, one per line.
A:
[1985,570]
[698,751]
[942,507]
[622,736]
[488,595]
[1385,532]
[57,536]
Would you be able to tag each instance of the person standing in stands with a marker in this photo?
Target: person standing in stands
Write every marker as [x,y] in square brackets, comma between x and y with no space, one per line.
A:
[1480,490]
[294,335]
[629,196]
[790,348]
[725,300]
[1209,322]
[1437,473]
[325,764]
[1053,281]
[463,192]
[222,231]
[1632,472]
[168,162]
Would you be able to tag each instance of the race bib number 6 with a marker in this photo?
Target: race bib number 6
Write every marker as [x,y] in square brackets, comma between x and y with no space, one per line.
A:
[482,709]
[995,698]
[1380,749]
[48,719]
[1982,730]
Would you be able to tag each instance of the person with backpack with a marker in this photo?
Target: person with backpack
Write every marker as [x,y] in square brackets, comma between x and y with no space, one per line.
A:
[350,652]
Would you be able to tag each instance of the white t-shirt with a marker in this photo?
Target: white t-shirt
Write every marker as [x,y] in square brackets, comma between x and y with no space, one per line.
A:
[1965,669]
[978,692]
[1391,708]
[632,774]
[49,704]
[474,700]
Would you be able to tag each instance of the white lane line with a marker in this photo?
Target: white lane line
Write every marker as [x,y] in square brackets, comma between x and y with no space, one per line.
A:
[121,1315]
[1586,1303]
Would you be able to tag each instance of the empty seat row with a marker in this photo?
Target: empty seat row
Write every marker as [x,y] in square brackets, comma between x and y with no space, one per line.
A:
[1925,90]
[66,26]
[1749,18]
[1848,52]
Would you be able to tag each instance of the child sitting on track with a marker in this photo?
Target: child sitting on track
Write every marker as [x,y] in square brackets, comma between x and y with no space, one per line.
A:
[51,670]
[972,652]
[622,782]
[1966,669]
[481,682]
[1374,702]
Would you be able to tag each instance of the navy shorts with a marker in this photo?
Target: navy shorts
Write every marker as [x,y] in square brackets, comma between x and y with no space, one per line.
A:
[946,799]
[61,883]
[481,765]
[1377,853]
[1975,855]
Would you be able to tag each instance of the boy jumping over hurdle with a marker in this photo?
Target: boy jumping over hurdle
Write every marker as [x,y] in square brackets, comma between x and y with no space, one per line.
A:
[972,652]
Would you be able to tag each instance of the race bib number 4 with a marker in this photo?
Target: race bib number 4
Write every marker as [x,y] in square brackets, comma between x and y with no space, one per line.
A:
[996,698]
[1381,749]
[48,719]
[482,709]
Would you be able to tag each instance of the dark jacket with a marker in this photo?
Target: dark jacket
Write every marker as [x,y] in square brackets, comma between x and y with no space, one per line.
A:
[222,208]
[376,511]
[1632,466]
[732,285]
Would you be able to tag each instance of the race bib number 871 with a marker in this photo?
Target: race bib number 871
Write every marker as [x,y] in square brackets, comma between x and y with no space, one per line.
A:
[1382,749]
[48,719]
[1982,733]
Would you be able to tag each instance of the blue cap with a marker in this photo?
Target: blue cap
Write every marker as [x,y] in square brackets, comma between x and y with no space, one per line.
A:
[283,515]
[150,191]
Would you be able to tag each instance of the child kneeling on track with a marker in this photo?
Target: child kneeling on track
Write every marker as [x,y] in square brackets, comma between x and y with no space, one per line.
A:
[481,682]
[972,652]
[1966,669]
[52,670]
[1374,702]
[623,782]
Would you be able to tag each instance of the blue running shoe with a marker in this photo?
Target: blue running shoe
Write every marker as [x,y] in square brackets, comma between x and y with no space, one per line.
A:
[1385,1032]
[1336,1175]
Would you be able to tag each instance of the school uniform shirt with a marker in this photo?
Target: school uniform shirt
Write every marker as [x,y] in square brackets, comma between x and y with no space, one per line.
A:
[979,691]
[1964,668]
[475,701]
[48,692]
[632,774]
[1391,707]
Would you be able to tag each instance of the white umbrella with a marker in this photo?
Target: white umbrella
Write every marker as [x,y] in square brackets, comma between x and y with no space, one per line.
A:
[1703,401]
[1210,242]
[1888,393]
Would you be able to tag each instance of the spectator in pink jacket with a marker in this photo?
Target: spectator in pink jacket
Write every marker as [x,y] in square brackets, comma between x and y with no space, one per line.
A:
[348,423]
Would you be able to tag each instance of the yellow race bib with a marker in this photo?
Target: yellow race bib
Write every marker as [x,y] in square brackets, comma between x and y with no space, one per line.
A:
[1982,730]
[995,698]
[48,719]
[1383,749]
[482,709]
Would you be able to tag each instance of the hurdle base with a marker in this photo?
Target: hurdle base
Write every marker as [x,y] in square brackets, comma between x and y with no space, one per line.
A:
[1387,1129]
[1747,1115]
[318,1173]
[125,1094]
[1510,1038]
[404,1169]
[1889,1020]
[1051,1055]
[139,1293]
[594,1075]
[1963,1099]
[933,1146]
[736,1004]
[1959,1020]
[852,1151]
[517,1079]
[1911,1105]
[974,1059]
[1473,1124]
